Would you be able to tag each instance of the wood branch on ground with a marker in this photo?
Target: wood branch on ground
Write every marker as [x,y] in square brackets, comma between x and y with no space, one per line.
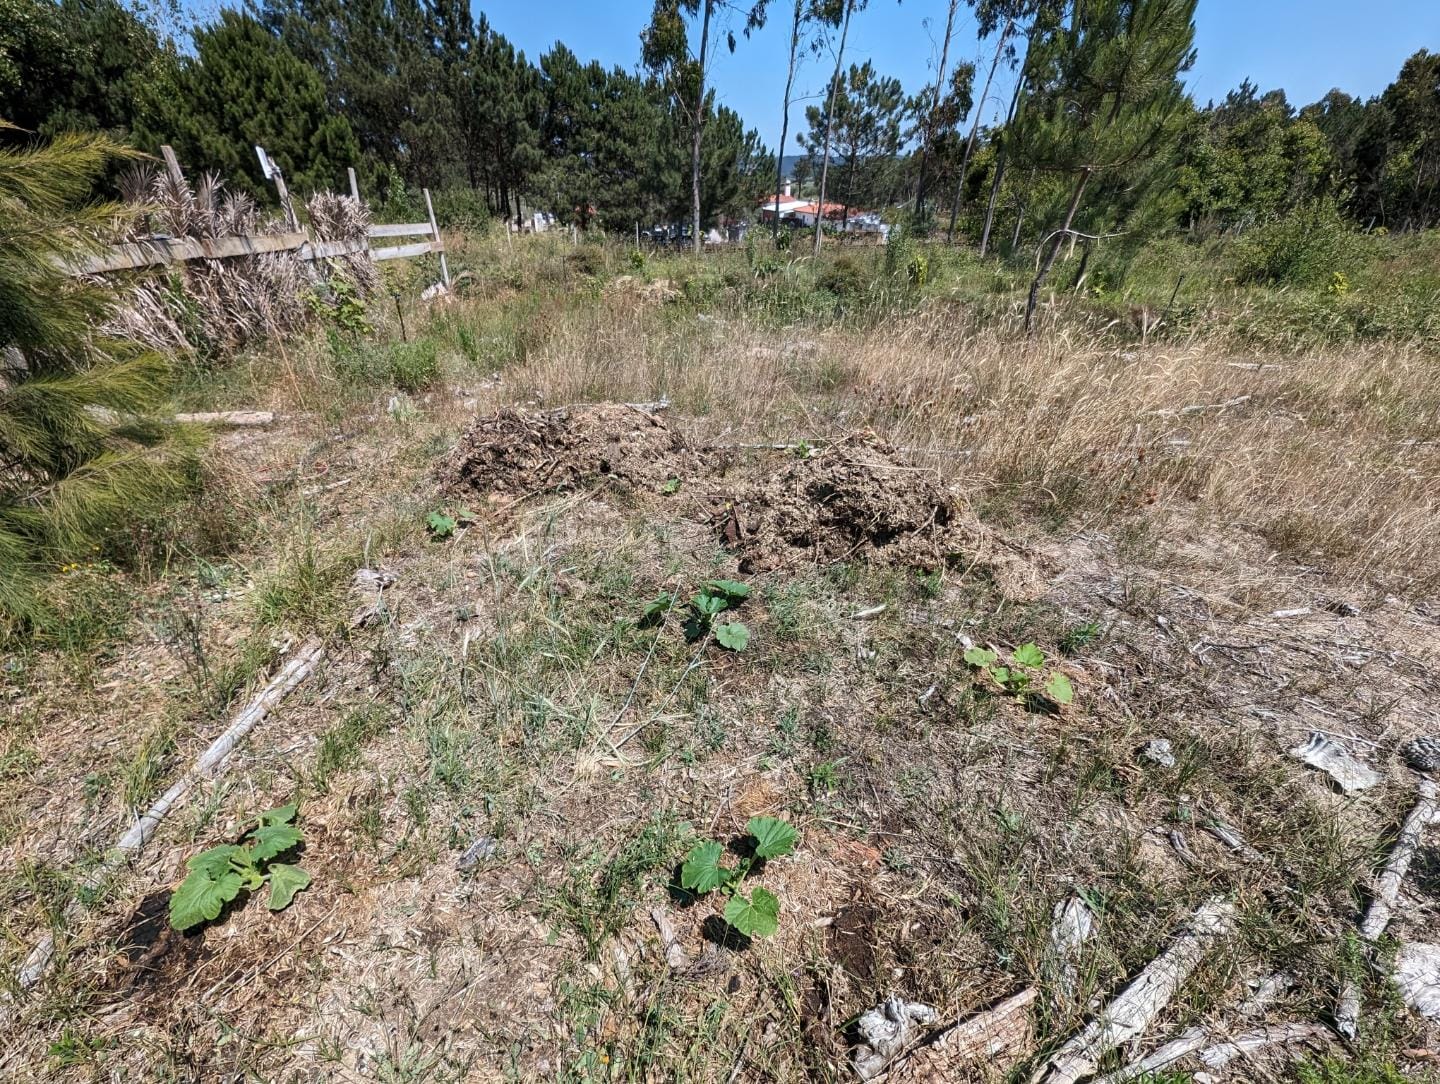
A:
[1387,891]
[1135,1008]
[297,668]
[220,418]
[231,418]
[1072,924]
[1222,1054]
[1195,1039]
[999,1037]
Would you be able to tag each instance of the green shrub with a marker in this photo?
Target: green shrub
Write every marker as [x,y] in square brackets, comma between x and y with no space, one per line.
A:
[702,287]
[844,278]
[462,209]
[587,259]
[1306,247]
[407,366]
[918,269]
[414,365]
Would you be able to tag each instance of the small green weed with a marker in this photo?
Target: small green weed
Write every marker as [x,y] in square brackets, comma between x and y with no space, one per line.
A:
[757,915]
[1019,678]
[1077,637]
[1344,1071]
[219,874]
[441,524]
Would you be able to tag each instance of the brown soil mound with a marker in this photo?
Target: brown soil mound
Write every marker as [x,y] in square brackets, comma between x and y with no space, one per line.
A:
[851,500]
[858,501]
[516,453]
[854,500]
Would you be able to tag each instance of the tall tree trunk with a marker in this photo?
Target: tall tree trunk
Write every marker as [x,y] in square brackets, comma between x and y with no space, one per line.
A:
[974,132]
[698,129]
[1055,243]
[830,125]
[1000,166]
[929,134]
[850,165]
[785,119]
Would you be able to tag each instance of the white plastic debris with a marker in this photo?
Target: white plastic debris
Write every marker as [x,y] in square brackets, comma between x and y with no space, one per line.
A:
[1159,751]
[1336,762]
[484,847]
[1417,977]
[887,1030]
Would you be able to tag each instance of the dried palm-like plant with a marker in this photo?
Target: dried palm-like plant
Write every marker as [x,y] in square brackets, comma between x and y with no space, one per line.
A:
[213,306]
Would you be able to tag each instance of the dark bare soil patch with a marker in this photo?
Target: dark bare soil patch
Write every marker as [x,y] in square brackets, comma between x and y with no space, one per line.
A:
[154,956]
[856,500]
[852,501]
[852,938]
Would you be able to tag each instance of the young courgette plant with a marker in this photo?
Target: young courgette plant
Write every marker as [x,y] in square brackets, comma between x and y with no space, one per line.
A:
[1023,674]
[713,599]
[756,915]
[221,873]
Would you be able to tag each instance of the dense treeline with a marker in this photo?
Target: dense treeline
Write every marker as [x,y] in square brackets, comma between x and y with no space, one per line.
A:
[423,93]
[410,93]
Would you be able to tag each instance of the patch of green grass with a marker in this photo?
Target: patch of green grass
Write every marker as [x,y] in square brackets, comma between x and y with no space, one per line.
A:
[1340,1071]
[598,894]
[309,586]
[340,746]
[142,777]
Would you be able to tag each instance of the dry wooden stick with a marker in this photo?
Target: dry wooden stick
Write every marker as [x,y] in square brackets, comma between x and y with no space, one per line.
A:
[1194,1039]
[234,418]
[296,669]
[1387,890]
[1134,1009]
[985,1036]
[1222,1054]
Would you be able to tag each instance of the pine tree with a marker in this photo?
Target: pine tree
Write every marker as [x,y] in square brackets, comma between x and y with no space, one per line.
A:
[864,130]
[76,457]
[244,87]
[1103,94]
[81,65]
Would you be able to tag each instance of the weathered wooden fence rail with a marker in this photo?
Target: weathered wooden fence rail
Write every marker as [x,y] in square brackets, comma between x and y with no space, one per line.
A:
[160,251]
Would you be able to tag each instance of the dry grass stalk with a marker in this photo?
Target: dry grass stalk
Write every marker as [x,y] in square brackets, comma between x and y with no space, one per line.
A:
[227,303]
[1331,457]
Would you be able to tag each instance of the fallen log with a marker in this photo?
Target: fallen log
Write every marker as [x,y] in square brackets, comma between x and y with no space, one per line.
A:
[999,1037]
[1387,891]
[1135,1008]
[1222,1054]
[235,419]
[1194,1039]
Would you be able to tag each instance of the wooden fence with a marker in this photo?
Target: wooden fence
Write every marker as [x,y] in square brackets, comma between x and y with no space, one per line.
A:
[159,251]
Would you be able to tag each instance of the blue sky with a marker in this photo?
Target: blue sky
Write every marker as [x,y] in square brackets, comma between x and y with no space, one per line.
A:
[1304,46]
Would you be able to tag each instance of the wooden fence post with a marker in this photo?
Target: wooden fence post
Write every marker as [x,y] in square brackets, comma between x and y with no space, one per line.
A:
[354,185]
[435,232]
[271,169]
[172,166]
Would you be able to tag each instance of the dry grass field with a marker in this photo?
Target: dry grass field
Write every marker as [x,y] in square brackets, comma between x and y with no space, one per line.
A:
[501,763]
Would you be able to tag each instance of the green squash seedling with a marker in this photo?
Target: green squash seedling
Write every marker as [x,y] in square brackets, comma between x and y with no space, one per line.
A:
[756,915]
[713,599]
[1019,678]
[219,874]
[441,525]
